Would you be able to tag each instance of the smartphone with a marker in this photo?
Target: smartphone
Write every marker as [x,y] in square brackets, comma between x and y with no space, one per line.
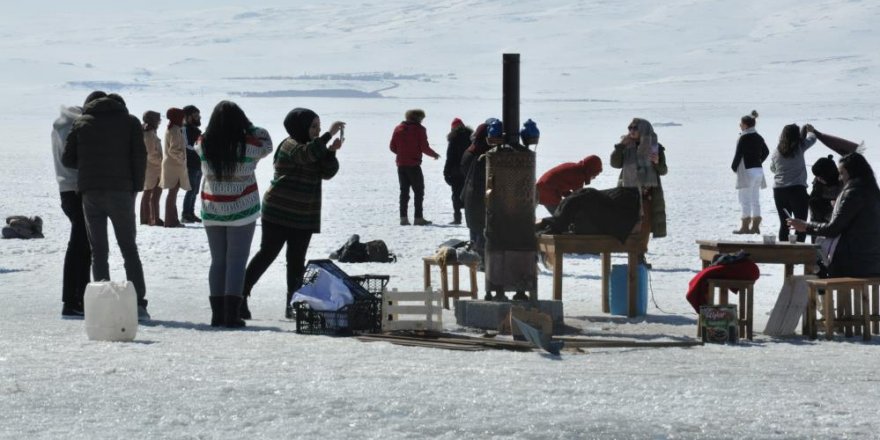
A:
[342,134]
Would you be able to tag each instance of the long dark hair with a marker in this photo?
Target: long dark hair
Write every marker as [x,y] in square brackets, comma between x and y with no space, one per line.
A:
[223,142]
[857,167]
[789,140]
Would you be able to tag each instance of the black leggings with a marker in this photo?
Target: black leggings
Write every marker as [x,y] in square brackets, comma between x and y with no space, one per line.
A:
[796,200]
[273,239]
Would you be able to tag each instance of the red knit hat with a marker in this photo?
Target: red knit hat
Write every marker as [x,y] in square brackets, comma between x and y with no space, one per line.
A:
[456,122]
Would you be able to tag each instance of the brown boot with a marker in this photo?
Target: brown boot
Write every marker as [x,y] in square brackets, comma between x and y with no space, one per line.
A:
[744,228]
[756,223]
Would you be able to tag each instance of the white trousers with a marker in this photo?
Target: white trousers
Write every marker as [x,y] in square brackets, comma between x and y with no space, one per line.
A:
[750,195]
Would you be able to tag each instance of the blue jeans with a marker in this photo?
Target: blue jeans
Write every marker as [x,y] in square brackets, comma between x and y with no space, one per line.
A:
[189,199]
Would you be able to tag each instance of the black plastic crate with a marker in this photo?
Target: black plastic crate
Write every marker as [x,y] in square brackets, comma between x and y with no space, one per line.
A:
[364,315]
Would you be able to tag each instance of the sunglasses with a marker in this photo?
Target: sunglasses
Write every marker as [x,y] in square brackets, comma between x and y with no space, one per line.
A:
[633,128]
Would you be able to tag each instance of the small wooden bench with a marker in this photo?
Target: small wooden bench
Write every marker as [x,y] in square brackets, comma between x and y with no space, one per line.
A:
[846,303]
[746,293]
[555,246]
[455,291]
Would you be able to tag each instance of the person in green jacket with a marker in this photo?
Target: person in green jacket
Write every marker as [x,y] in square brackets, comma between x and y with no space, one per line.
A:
[292,205]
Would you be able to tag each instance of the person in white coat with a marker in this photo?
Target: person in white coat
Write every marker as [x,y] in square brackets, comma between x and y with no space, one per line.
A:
[174,173]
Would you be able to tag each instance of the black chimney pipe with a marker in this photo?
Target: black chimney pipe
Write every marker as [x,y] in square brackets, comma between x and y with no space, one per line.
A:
[510,99]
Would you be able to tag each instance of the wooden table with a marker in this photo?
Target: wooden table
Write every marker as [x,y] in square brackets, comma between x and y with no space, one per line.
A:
[785,253]
[555,246]
[777,253]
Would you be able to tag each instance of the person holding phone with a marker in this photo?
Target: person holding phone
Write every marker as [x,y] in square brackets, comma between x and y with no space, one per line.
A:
[751,152]
[854,229]
[642,160]
[292,204]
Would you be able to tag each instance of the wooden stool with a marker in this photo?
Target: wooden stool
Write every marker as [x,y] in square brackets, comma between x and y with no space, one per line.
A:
[851,306]
[455,292]
[746,290]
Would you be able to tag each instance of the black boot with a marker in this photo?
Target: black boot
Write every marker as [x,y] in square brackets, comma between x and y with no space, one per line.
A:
[456,218]
[288,309]
[217,315]
[245,311]
[232,312]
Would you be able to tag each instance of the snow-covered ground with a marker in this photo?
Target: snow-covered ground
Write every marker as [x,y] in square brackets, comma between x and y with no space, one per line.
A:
[691,67]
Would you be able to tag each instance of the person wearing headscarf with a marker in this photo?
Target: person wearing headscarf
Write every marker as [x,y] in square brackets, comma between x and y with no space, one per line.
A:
[174,173]
[292,204]
[642,160]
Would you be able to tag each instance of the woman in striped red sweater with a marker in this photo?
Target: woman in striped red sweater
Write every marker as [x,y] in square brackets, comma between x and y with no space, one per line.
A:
[229,151]
[292,204]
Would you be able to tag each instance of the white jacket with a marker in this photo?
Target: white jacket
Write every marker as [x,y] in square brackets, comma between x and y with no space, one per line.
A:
[67,177]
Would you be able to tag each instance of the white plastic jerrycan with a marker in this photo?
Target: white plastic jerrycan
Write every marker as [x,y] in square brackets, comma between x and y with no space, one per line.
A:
[111,311]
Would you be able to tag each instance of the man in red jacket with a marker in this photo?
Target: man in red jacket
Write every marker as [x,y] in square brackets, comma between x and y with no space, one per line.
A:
[409,142]
[563,179]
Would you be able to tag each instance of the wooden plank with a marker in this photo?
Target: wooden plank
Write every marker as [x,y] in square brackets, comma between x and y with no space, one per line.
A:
[412,310]
[609,343]
[396,296]
[411,325]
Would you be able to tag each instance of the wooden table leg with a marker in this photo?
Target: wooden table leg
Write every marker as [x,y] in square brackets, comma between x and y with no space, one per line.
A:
[632,278]
[556,257]
[444,286]
[827,305]
[455,277]
[809,324]
[789,271]
[606,274]
[474,288]
[427,276]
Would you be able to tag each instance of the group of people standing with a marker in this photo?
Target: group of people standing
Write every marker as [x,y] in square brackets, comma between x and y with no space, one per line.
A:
[173,168]
[841,211]
[102,152]
[104,156]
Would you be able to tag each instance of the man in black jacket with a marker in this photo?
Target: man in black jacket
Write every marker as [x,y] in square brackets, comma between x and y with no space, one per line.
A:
[191,122]
[106,145]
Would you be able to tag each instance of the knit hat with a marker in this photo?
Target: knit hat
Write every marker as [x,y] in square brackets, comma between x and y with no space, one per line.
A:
[297,123]
[826,169]
[529,133]
[174,116]
[495,131]
[456,122]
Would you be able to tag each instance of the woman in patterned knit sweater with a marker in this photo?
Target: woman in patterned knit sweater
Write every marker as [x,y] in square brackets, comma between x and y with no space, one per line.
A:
[292,204]
[229,150]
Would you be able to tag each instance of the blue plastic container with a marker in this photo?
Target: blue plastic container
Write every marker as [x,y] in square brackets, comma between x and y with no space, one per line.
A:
[618,292]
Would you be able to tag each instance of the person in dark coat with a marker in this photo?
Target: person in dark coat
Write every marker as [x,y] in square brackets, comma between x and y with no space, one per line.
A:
[192,120]
[473,194]
[751,152]
[854,224]
[106,145]
[459,139]
[409,142]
